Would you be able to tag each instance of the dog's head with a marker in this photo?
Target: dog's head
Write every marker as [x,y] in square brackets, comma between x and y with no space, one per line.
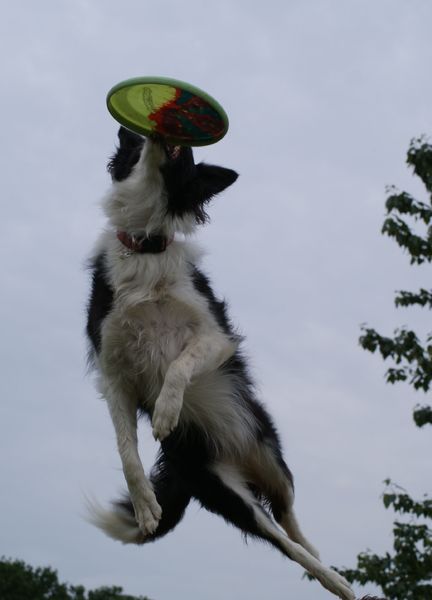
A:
[159,187]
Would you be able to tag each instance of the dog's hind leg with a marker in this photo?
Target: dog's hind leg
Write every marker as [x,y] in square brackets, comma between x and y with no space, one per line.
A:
[224,491]
[282,507]
[272,478]
[283,511]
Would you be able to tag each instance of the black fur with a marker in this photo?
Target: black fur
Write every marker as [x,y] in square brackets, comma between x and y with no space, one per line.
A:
[100,304]
[217,307]
[174,489]
[191,186]
[126,156]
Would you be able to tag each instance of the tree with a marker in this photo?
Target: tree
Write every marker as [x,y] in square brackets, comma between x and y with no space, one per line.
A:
[412,360]
[19,581]
[407,573]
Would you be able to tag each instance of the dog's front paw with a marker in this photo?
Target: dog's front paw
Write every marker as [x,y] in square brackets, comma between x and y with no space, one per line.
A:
[165,416]
[147,511]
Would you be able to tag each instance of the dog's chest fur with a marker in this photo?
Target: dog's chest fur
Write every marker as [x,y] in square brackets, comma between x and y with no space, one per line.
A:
[145,338]
[156,310]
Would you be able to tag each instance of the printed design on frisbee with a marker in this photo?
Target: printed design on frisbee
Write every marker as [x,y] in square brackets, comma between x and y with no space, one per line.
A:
[186,116]
[175,110]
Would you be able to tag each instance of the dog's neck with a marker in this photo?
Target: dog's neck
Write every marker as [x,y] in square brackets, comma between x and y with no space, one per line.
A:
[153,244]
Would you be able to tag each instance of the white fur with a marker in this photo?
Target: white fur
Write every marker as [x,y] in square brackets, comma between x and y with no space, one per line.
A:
[116,522]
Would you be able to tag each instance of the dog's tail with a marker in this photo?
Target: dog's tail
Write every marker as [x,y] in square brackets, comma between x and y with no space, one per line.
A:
[118,521]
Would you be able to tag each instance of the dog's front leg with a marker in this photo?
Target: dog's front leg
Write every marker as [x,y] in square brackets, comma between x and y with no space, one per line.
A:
[204,353]
[124,417]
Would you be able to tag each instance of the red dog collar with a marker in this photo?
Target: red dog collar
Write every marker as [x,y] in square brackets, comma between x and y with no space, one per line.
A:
[153,244]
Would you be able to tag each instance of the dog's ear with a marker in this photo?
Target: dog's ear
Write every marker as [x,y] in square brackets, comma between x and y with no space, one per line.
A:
[211,180]
[207,181]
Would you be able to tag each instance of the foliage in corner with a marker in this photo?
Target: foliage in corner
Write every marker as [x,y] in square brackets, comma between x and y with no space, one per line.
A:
[19,581]
[407,573]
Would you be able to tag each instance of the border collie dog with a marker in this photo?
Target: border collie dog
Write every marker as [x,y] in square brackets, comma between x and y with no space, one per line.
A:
[163,346]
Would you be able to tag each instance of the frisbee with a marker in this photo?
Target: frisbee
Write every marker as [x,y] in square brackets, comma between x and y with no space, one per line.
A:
[181,113]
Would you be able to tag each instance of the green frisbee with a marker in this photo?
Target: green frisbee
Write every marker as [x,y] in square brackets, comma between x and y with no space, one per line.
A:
[181,113]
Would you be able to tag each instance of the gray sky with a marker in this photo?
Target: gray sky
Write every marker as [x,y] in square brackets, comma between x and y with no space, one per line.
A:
[323,98]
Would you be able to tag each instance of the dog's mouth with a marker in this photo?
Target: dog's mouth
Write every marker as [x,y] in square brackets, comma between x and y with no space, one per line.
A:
[173,152]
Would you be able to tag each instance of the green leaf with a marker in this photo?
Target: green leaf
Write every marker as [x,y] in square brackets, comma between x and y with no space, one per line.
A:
[423,415]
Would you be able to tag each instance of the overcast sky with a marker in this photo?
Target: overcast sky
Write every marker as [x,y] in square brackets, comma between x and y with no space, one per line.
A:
[323,98]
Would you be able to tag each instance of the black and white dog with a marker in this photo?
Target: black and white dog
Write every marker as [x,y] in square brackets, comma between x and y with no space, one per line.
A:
[163,346]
